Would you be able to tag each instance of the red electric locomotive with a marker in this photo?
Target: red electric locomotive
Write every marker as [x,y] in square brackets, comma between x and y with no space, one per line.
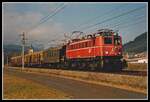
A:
[101,51]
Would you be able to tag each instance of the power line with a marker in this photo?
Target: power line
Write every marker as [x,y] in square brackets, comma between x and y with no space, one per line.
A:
[126,26]
[122,23]
[119,23]
[88,21]
[133,25]
[51,12]
[43,19]
[108,12]
[55,12]
[48,17]
[125,13]
[102,15]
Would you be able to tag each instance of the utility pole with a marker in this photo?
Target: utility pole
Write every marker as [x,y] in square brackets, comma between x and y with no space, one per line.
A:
[23,44]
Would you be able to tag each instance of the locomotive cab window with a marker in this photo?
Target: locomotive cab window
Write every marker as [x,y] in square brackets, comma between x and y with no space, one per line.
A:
[107,40]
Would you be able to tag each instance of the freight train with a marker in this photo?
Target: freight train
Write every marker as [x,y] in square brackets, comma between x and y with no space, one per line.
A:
[98,51]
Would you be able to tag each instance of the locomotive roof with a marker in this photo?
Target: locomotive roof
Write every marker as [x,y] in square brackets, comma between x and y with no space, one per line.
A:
[101,32]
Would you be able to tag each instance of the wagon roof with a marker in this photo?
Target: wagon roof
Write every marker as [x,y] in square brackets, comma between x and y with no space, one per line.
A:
[53,48]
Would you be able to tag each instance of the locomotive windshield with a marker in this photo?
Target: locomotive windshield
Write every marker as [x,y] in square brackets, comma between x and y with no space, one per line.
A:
[107,34]
[107,40]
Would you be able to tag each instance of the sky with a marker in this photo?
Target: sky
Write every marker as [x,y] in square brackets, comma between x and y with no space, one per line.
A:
[26,17]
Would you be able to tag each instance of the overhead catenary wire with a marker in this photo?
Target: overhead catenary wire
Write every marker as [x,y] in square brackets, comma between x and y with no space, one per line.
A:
[102,15]
[122,23]
[57,10]
[133,24]
[106,19]
[96,24]
[109,19]
[46,18]
[97,17]
[120,15]
[54,10]
[34,26]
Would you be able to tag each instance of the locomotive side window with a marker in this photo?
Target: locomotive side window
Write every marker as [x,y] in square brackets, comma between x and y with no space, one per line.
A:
[88,43]
[82,45]
[77,45]
[107,40]
[85,44]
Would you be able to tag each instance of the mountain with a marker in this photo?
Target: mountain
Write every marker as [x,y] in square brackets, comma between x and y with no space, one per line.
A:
[37,47]
[138,45]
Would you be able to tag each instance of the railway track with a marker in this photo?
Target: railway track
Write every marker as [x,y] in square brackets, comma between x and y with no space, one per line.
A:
[124,72]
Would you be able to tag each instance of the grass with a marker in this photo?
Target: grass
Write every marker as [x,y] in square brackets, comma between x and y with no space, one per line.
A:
[19,88]
[137,66]
[133,83]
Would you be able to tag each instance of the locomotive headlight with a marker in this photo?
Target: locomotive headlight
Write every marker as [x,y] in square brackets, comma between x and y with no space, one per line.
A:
[106,52]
